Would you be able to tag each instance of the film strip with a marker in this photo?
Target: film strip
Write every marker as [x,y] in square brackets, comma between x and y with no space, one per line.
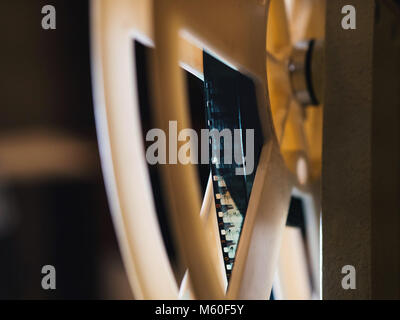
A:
[230,104]
[230,221]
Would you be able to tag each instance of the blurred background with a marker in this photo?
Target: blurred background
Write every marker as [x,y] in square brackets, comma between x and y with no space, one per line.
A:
[53,206]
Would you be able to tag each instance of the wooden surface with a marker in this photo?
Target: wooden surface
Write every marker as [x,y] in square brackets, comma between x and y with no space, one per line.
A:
[360,202]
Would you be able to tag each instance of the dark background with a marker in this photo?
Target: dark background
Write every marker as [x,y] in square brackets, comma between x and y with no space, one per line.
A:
[55,213]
